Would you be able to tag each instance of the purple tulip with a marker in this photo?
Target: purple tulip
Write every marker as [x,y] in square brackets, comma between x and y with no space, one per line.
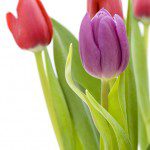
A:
[103,45]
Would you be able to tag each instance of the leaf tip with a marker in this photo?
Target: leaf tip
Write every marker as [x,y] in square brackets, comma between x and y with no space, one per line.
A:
[69,55]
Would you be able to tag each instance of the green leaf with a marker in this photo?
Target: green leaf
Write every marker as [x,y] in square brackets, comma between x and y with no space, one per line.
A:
[56,104]
[117,103]
[130,89]
[64,38]
[100,122]
[122,100]
[84,126]
[139,57]
[122,138]
[143,141]
[131,105]
[98,112]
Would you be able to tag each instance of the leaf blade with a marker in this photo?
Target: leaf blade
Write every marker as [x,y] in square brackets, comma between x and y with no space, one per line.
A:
[85,129]
[122,138]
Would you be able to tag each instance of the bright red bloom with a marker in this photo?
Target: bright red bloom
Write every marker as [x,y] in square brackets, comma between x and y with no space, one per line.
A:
[141,8]
[33,26]
[113,6]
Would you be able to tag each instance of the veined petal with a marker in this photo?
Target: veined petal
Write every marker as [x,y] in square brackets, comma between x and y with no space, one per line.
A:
[95,23]
[109,46]
[121,31]
[89,52]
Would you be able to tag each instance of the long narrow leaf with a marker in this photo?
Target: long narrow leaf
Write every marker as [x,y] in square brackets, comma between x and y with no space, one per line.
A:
[84,126]
[122,138]
[130,89]
[56,105]
[63,38]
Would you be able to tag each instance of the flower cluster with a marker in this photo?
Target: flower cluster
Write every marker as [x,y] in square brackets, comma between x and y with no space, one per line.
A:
[107,61]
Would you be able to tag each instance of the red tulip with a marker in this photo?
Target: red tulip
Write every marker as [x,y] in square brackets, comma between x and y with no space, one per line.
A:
[32,27]
[141,8]
[113,6]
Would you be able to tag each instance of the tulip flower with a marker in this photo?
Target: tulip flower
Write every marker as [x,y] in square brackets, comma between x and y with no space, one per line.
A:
[113,6]
[33,28]
[141,8]
[103,45]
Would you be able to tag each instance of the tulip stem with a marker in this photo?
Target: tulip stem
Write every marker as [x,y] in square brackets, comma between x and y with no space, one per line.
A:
[104,102]
[146,42]
[146,34]
[46,92]
[104,93]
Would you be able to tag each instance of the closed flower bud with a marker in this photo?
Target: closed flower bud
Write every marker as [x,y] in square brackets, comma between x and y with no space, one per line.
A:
[113,6]
[141,8]
[103,45]
[32,28]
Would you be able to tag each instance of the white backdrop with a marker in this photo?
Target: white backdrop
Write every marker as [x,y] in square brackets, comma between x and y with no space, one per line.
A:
[24,120]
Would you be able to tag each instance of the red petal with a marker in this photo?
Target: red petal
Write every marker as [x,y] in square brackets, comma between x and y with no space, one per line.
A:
[113,6]
[32,27]
[47,18]
[11,21]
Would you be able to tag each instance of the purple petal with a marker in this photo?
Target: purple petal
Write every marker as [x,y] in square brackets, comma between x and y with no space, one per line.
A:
[121,31]
[89,52]
[95,23]
[109,46]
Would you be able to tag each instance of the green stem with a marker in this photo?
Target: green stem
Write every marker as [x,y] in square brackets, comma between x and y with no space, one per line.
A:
[56,104]
[146,35]
[104,94]
[45,86]
[104,102]
[146,39]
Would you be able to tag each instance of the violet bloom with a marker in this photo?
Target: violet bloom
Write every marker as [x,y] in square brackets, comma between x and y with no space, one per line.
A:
[103,45]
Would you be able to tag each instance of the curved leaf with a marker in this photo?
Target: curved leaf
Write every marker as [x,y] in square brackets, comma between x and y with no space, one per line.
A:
[62,40]
[97,111]
[56,105]
[84,126]
[130,89]
[139,57]
[117,103]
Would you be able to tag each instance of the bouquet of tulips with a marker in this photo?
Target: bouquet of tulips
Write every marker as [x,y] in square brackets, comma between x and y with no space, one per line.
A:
[99,96]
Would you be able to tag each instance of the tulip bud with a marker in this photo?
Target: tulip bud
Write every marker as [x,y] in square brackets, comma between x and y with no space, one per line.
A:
[33,27]
[103,45]
[141,8]
[113,6]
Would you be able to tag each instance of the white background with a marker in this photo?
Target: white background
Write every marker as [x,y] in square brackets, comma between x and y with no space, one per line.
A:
[24,120]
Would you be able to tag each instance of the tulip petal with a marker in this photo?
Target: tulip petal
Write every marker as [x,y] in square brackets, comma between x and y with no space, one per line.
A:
[109,46]
[89,52]
[47,19]
[31,28]
[95,23]
[11,21]
[141,8]
[113,6]
[121,31]
[92,7]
